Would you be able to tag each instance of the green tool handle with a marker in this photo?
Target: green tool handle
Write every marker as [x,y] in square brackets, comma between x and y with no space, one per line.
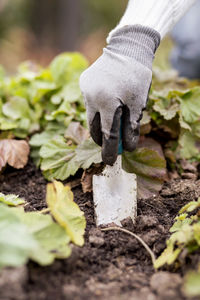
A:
[120,147]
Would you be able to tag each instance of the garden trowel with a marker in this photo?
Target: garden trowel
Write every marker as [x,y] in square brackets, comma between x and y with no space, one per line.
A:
[115,194]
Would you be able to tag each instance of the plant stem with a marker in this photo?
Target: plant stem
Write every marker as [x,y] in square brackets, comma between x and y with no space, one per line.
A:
[44,211]
[153,258]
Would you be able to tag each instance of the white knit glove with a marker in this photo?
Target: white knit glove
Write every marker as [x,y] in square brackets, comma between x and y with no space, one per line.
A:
[116,86]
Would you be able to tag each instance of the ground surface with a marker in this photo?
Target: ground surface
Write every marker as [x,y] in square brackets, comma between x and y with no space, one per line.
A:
[111,265]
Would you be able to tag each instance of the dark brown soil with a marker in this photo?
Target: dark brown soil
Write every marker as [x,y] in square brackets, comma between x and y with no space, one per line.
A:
[111,265]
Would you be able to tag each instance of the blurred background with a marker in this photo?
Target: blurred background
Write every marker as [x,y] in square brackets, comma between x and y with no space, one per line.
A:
[40,29]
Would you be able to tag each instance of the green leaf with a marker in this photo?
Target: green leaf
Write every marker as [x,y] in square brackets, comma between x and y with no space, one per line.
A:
[178,225]
[149,165]
[51,238]
[12,200]
[189,207]
[16,243]
[40,88]
[64,108]
[190,107]
[66,211]
[192,284]
[196,230]
[27,236]
[58,159]
[187,145]
[88,153]
[166,108]
[65,66]
[183,236]
[57,147]
[146,118]
[17,108]
[168,256]
[70,92]
[6,124]
[40,139]
[63,171]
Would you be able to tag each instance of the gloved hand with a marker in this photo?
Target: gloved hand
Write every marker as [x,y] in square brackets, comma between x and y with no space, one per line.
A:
[116,88]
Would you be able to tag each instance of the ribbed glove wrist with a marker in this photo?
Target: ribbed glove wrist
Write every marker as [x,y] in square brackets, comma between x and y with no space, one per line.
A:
[135,41]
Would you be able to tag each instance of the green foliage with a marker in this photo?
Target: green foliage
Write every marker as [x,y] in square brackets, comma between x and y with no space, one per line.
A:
[175,114]
[192,284]
[37,99]
[59,161]
[185,237]
[46,106]
[148,162]
[36,236]
[11,200]
[30,236]
[66,212]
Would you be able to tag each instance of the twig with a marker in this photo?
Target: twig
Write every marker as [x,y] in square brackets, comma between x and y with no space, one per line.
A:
[153,258]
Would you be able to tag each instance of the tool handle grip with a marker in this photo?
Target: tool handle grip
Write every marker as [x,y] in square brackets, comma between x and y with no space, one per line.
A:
[120,147]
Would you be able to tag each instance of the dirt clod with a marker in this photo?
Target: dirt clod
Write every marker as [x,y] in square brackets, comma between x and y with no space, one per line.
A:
[166,285]
[96,237]
[12,283]
[189,175]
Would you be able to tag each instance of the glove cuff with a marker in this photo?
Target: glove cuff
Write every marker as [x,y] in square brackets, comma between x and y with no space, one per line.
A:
[136,41]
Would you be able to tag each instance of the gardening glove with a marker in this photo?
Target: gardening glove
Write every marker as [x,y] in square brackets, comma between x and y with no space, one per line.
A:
[115,88]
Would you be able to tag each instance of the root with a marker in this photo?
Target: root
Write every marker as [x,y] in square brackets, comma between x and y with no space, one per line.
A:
[153,258]
[44,211]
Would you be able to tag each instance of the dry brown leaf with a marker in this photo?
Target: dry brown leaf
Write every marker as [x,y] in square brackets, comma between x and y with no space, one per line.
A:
[86,179]
[76,132]
[2,162]
[14,152]
[86,182]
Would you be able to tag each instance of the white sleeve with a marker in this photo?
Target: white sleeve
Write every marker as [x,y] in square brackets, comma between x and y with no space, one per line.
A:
[160,15]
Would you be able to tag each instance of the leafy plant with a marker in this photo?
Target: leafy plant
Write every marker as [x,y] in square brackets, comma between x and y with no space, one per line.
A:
[11,200]
[192,284]
[45,107]
[185,236]
[66,212]
[32,235]
[174,114]
[148,162]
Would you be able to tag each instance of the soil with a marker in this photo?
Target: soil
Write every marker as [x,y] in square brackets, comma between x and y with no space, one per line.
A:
[111,265]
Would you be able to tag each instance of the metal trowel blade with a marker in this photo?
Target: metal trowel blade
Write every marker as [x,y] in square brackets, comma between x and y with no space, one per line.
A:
[114,195]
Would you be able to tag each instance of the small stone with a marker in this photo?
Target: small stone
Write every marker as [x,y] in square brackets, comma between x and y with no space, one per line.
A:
[167,193]
[145,221]
[113,273]
[128,222]
[188,167]
[190,176]
[150,237]
[96,237]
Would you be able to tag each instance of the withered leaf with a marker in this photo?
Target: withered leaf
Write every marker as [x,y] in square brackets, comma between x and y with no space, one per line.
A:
[13,152]
[76,132]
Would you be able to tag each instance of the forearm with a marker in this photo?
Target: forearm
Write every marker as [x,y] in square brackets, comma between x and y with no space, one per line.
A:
[160,15]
